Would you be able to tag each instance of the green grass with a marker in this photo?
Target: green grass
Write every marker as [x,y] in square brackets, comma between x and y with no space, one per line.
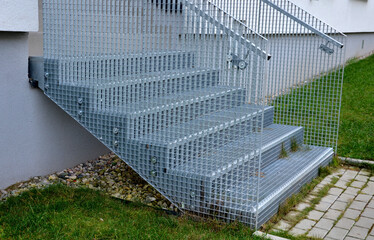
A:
[314,106]
[356,134]
[61,212]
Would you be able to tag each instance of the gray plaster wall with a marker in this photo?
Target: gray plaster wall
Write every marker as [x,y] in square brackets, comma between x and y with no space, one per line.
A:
[36,137]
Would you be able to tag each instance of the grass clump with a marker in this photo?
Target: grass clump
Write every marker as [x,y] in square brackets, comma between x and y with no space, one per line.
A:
[61,212]
[283,152]
[294,145]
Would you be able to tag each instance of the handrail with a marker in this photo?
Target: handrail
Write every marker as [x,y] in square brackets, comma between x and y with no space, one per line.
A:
[227,30]
[304,24]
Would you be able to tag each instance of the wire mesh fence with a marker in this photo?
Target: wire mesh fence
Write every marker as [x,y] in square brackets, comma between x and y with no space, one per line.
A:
[179,90]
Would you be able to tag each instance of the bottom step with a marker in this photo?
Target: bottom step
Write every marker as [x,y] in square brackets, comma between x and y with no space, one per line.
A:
[278,181]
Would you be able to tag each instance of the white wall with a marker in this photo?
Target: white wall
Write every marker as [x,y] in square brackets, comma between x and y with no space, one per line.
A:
[36,137]
[19,15]
[347,16]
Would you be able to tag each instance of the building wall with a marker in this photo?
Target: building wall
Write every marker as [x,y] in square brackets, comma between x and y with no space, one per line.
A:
[347,16]
[36,137]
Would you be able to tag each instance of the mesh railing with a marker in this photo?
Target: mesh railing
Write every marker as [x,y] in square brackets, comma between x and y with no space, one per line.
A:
[178,89]
[305,74]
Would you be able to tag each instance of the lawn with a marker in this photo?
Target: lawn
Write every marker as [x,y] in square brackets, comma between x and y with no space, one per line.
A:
[60,212]
[356,133]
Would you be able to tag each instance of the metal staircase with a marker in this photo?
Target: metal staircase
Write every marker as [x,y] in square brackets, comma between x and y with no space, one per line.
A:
[176,89]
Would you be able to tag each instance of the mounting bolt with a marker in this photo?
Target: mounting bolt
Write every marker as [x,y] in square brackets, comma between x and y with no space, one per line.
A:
[242,65]
[235,67]
[193,194]
[153,173]
[80,113]
[153,160]
[115,143]
[115,131]
[46,74]
[229,58]
[80,101]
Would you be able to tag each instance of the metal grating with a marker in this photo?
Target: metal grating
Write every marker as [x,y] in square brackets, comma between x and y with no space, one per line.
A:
[178,89]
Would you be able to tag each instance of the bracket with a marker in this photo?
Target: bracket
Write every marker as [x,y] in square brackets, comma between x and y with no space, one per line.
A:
[326,49]
[36,72]
[237,62]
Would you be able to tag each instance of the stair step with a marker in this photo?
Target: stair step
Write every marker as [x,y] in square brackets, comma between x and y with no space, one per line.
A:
[278,181]
[158,113]
[238,152]
[179,143]
[98,69]
[116,95]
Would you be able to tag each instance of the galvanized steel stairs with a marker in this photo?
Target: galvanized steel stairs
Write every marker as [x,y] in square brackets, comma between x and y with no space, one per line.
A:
[168,119]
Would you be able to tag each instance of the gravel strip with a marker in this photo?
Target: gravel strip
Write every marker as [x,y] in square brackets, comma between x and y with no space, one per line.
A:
[108,173]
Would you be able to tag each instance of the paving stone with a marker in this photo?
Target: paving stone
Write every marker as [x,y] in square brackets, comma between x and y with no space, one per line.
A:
[363,198]
[368,212]
[351,190]
[305,224]
[332,214]
[349,175]
[370,238]
[346,197]
[329,199]
[364,172]
[292,214]
[371,178]
[351,213]
[369,189]
[317,232]
[297,231]
[345,223]
[283,225]
[315,215]
[338,205]
[341,184]
[351,238]
[357,184]
[362,178]
[302,206]
[322,206]
[337,233]
[371,204]
[365,222]
[358,232]
[325,224]
[358,205]
[335,191]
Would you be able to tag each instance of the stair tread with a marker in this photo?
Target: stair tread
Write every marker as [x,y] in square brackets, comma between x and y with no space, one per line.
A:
[276,178]
[212,122]
[179,99]
[150,76]
[236,152]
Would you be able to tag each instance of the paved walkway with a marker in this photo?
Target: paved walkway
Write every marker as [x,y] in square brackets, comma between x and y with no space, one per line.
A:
[346,212]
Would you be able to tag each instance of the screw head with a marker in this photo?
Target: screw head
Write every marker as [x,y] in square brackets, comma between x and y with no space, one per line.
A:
[242,65]
[115,131]
[46,74]
[229,58]
[46,86]
[193,194]
[80,113]
[115,143]
[153,173]
[153,160]
[80,101]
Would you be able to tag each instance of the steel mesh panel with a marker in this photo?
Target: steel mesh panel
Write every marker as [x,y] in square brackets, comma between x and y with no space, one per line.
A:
[177,89]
